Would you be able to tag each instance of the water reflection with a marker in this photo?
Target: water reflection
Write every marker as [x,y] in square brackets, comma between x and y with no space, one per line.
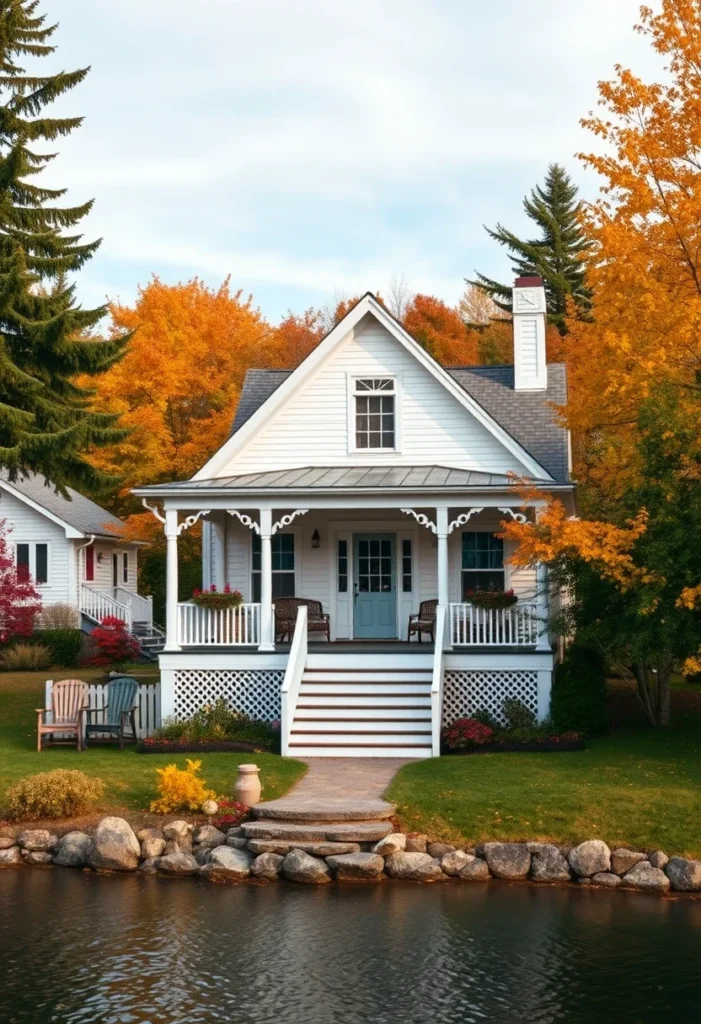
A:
[80,948]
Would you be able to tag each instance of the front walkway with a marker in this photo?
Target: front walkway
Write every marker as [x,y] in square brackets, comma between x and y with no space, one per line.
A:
[338,788]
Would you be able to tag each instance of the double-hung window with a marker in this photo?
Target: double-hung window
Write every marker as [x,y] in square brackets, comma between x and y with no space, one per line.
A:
[375,413]
[482,562]
[283,559]
[32,560]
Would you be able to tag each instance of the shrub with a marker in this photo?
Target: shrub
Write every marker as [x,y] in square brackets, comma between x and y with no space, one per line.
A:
[26,658]
[230,814]
[114,645]
[487,718]
[215,722]
[519,717]
[466,734]
[59,615]
[65,645]
[181,789]
[579,692]
[58,794]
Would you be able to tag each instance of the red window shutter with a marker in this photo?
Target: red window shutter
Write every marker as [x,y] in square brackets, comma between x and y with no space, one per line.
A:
[89,564]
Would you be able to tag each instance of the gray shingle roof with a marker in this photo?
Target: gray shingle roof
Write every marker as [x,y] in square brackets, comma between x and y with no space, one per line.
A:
[80,512]
[527,415]
[318,478]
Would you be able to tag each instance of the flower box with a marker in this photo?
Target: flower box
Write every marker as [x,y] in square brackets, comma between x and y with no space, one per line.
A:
[213,598]
[491,598]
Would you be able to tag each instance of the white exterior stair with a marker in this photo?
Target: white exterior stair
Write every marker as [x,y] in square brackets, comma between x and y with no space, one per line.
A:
[363,705]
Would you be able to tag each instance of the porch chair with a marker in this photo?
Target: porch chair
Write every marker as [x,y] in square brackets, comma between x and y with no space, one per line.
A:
[69,704]
[425,621]
[286,616]
[119,711]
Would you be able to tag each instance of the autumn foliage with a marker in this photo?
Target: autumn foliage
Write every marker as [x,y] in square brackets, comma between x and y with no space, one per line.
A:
[20,601]
[441,331]
[112,643]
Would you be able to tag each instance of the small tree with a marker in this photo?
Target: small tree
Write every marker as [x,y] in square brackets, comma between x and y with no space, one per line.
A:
[20,601]
[114,644]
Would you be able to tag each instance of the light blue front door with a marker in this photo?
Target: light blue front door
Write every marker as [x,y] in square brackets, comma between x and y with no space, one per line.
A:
[374,586]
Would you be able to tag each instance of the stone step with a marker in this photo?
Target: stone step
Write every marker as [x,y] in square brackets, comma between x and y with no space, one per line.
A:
[317,849]
[364,749]
[292,809]
[350,832]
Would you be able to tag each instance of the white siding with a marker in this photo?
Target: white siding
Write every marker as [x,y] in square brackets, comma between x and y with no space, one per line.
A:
[312,427]
[26,525]
[104,549]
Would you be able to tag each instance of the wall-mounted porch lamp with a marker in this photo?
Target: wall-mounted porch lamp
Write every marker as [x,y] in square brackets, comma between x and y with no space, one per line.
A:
[316,539]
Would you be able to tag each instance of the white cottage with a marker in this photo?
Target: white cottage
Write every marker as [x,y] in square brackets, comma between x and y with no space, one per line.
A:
[370,479]
[70,547]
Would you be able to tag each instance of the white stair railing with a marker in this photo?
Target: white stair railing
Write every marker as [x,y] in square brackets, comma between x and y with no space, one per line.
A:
[437,683]
[97,605]
[141,607]
[472,626]
[218,627]
[293,679]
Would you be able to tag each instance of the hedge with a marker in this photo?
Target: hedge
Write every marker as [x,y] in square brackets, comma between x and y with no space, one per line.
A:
[65,644]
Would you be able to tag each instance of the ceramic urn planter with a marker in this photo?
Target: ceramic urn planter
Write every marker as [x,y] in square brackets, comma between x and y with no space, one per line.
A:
[248,788]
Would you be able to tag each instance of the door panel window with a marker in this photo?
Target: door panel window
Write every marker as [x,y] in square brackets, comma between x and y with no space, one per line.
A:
[374,566]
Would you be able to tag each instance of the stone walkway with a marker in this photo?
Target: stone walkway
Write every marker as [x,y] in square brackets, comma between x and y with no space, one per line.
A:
[341,788]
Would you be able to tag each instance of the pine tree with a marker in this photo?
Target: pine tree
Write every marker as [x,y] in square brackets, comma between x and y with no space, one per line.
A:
[45,338]
[556,256]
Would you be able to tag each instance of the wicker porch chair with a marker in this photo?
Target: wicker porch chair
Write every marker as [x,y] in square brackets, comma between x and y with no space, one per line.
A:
[425,621]
[286,616]
[69,705]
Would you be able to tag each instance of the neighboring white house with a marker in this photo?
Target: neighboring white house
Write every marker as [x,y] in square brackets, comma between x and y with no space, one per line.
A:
[70,548]
[371,478]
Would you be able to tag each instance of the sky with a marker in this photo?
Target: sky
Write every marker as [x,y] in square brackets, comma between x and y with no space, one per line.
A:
[311,149]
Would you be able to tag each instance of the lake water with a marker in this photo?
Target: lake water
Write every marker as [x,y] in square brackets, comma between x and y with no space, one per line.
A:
[76,947]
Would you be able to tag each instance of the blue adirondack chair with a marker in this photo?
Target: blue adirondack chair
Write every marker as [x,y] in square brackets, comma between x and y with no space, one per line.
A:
[119,712]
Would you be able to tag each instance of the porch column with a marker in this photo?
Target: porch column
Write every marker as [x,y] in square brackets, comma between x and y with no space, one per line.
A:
[266,581]
[171,531]
[218,536]
[442,535]
[543,606]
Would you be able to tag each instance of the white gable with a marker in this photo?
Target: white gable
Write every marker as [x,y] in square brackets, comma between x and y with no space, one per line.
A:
[312,426]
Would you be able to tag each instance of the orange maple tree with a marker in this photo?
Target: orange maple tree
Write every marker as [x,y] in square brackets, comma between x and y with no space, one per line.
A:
[441,331]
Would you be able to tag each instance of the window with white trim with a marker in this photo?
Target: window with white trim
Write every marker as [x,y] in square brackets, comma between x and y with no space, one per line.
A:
[283,565]
[32,561]
[482,561]
[375,413]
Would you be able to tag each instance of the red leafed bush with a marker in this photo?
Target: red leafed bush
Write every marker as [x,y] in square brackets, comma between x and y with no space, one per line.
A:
[113,643]
[466,734]
[20,601]
[230,814]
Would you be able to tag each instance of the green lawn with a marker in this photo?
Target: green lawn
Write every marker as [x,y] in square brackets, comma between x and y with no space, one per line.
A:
[130,778]
[637,787]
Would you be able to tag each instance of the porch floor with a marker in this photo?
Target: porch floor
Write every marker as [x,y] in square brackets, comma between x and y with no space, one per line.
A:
[360,647]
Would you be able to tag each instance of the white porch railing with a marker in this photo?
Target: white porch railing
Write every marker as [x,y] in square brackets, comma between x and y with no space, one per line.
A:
[437,682]
[97,605]
[293,678]
[141,607]
[517,626]
[218,627]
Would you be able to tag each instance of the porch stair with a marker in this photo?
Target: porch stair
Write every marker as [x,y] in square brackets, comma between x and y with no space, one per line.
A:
[363,705]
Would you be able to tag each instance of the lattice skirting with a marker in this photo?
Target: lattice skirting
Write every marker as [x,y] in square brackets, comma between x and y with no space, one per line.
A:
[256,692]
[466,692]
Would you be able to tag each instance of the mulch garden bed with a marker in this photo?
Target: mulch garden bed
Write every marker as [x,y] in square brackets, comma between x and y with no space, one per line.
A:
[527,746]
[214,746]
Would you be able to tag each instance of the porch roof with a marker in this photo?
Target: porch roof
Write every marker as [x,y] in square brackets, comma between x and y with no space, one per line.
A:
[316,479]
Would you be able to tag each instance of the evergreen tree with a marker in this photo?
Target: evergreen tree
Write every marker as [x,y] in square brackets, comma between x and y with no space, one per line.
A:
[46,423]
[556,255]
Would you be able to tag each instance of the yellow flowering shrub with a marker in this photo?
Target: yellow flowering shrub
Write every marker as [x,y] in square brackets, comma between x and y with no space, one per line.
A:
[181,789]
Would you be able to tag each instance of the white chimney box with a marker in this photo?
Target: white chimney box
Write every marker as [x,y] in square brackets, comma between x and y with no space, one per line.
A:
[529,312]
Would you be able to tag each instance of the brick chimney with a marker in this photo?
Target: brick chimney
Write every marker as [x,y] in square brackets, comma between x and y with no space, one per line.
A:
[530,370]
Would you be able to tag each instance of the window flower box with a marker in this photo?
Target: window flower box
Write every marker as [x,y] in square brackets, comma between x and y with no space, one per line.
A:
[213,598]
[491,598]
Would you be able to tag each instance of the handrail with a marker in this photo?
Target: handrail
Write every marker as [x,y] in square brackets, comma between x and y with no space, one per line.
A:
[96,604]
[289,693]
[516,626]
[218,627]
[437,682]
[141,607]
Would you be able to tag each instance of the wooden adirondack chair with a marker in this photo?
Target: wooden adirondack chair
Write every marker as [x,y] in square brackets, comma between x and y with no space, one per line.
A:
[69,704]
[119,711]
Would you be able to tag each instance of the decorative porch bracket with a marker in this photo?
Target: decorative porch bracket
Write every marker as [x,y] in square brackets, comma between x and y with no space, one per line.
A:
[287,519]
[420,517]
[244,519]
[518,517]
[463,518]
[189,521]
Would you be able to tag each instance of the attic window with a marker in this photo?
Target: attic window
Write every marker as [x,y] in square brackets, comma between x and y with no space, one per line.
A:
[375,413]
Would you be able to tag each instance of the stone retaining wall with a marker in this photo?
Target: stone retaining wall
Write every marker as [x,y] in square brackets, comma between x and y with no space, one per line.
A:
[182,849]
